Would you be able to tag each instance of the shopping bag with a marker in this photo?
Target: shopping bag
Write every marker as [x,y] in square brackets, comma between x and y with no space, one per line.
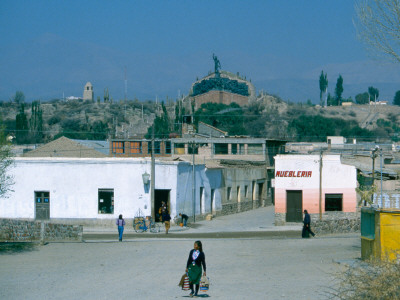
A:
[204,283]
[186,285]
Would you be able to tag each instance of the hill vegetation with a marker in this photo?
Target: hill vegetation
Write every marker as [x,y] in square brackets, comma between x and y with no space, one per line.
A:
[267,117]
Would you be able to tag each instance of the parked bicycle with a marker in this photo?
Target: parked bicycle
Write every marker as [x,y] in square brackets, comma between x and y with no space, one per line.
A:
[147,224]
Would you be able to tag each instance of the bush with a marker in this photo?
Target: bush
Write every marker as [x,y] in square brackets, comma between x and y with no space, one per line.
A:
[377,280]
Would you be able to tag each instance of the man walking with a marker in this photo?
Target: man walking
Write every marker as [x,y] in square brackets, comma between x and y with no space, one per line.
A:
[307,226]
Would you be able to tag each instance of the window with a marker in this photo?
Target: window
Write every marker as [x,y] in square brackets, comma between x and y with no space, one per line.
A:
[167,147]
[333,202]
[157,147]
[118,147]
[246,190]
[106,201]
[234,148]
[193,148]
[179,148]
[136,147]
[220,148]
[228,193]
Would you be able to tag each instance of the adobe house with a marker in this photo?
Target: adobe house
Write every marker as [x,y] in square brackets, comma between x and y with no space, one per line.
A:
[94,191]
[320,184]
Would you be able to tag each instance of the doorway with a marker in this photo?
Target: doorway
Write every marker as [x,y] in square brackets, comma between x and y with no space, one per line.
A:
[212,201]
[159,197]
[294,206]
[42,205]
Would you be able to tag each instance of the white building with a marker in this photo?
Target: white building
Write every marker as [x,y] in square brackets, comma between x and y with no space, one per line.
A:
[307,182]
[96,190]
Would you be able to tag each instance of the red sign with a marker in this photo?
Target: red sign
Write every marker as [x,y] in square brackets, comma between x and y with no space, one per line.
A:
[293,174]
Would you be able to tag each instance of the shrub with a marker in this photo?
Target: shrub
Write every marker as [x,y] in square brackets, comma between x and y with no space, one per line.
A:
[376,280]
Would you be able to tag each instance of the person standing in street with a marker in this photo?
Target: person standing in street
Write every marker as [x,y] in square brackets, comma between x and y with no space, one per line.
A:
[194,264]
[184,219]
[307,226]
[167,220]
[120,223]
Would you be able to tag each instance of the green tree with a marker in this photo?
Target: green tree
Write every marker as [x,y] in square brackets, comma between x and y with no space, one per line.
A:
[21,125]
[162,127]
[224,117]
[6,161]
[19,97]
[362,98]
[339,90]
[373,93]
[36,122]
[323,86]
[396,99]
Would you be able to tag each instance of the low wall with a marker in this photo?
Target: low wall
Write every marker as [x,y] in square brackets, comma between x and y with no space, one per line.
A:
[29,231]
[332,222]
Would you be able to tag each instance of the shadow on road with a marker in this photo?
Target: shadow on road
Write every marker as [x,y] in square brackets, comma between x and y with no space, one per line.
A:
[16,248]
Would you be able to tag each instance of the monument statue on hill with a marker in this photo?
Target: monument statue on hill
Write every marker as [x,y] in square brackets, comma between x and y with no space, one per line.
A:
[217,65]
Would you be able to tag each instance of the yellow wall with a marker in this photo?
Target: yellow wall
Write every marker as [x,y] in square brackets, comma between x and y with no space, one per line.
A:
[390,234]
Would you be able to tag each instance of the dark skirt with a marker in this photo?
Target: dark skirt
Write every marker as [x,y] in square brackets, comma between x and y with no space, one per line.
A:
[194,274]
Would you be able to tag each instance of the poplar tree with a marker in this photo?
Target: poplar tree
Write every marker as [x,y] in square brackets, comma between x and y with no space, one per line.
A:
[339,90]
[323,86]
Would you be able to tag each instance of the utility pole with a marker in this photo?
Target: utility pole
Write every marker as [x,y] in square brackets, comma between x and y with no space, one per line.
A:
[153,173]
[320,185]
[193,184]
[381,176]
[373,156]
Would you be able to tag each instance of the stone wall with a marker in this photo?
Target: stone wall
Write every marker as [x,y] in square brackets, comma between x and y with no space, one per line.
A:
[28,231]
[220,97]
[332,222]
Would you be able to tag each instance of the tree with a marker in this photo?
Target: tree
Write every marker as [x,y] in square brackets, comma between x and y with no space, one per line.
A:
[362,98]
[339,89]
[19,97]
[36,122]
[323,85]
[161,125]
[21,125]
[6,161]
[396,100]
[378,26]
[373,93]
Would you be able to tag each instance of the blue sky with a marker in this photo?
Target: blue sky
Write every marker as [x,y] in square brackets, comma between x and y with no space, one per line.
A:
[51,48]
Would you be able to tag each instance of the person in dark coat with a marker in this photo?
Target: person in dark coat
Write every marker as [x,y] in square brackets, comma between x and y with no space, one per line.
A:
[167,221]
[184,219]
[307,226]
[195,262]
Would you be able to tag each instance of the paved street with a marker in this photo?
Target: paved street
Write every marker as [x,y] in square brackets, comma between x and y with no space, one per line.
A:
[257,267]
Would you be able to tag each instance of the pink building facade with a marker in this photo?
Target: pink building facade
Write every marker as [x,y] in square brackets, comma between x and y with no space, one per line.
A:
[310,182]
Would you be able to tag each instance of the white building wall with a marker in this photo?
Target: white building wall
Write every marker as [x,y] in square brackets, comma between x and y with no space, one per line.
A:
[337,178]
[74,183]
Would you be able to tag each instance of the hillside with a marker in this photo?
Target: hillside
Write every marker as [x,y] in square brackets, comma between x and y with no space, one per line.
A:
[267,116]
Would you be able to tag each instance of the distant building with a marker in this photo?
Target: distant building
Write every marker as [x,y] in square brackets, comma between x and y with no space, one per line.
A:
[88,92]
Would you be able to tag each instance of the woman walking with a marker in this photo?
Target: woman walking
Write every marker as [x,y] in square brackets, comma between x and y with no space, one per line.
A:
[193,267]
[120,223]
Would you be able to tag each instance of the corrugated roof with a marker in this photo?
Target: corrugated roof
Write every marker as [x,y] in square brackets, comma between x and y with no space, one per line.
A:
[64,147]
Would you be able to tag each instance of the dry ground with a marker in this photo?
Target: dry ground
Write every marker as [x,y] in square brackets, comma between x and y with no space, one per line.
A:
[238,268]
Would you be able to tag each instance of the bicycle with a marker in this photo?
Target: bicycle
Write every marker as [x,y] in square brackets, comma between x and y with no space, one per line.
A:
[144,225]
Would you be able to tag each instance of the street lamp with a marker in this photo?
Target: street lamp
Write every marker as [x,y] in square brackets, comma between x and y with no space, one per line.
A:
[146,178]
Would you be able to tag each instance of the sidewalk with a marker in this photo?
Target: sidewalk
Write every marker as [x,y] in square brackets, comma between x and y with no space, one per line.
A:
[257,220]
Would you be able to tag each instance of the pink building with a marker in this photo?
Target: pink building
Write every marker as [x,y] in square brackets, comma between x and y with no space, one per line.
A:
[315,183]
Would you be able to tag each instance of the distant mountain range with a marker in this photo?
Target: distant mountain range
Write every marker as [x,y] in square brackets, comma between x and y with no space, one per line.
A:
[51,67]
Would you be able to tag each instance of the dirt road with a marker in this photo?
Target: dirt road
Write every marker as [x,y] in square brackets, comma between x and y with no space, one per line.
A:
[260,267]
